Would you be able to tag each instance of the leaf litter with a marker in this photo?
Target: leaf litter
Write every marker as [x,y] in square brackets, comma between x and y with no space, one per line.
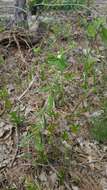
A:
[53,96]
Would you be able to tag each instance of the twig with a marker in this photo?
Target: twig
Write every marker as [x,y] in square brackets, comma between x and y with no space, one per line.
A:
[17,147]
[3,109]
[25,42]
[7,137]
[77,105]
[80,101]
[27,89]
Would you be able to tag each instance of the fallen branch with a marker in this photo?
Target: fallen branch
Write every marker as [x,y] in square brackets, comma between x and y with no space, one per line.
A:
[18,46]
[25,37]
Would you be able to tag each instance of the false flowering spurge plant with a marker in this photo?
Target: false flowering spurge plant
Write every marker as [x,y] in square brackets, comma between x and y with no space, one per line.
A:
[54,92]
[48,116]
[53,96]
[16,118]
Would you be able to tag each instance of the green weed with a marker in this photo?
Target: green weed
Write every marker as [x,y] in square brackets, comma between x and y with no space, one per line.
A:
[31,185]
[99,125]
[88,68]
[16,118]
[99,129]
[58,61]
[1,60]
[4,96]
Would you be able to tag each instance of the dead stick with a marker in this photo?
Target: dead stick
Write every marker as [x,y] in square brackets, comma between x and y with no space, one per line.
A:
[30,85]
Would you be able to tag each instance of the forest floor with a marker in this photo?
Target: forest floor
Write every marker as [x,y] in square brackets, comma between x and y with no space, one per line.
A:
[53,105]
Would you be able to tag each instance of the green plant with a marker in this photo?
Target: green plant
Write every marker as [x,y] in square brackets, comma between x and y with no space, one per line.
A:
[37,50]
[2,23]
[88,68]
[59,33]
[75,128]
[103,34]
[56,4]
[99,124]
[31,73]
[36,131]
[99,129]
[1,60]
[16,118]
[3,93]
[61,176]
[4,96]
[31,185]
[53,91]
[97,27]
[93,28]
[58,61]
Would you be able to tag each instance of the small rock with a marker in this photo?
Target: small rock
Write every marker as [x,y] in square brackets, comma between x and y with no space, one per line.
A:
[43,177]
[2,178]
[22,107]
[11,88]
[28,110]
[75,188]
[97,113]
[2,124]
[105,94]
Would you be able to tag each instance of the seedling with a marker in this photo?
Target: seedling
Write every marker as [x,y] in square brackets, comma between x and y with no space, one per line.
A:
[16,118]
[99,129]
[59,61]
[88,68]
[99,125]
[5,97]
[1,60]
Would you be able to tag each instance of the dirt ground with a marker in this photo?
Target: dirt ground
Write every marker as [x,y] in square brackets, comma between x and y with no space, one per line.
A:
[75,161]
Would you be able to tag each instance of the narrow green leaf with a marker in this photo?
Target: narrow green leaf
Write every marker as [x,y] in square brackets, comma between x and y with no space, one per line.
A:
[91,30]
[104,34]
[58,61]
[50,104]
